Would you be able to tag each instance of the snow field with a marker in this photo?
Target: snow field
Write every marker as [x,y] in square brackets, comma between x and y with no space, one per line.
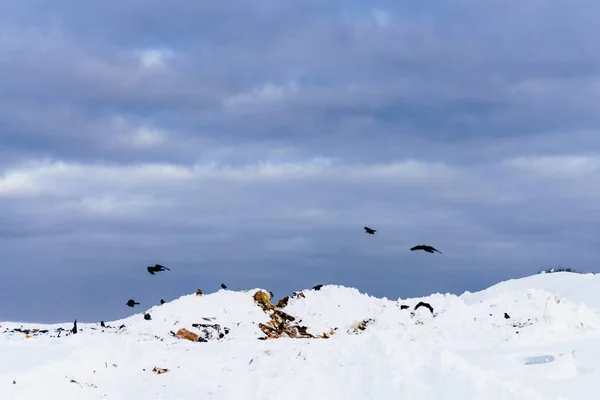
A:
[549,348]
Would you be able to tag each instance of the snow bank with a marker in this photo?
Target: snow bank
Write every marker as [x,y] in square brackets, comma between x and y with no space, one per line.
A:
[531,338]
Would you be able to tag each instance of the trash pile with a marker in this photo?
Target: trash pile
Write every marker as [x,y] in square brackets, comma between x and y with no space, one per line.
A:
[281,324]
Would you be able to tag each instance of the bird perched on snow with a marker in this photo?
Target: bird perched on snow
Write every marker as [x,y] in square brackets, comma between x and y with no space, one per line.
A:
[318,287]
[157,268]
[370,231]
[162,302]
[426,248]
[132,303]
[426,305]
[223,286]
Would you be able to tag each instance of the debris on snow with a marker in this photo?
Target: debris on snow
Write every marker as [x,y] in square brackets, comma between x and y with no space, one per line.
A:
[187,335]
[358,327]
[283,302]
[159,371]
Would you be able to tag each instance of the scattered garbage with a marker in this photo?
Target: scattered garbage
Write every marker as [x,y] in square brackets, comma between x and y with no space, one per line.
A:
[187,335]
[91,385]
[280,323]
[210,331]
[263,300]
[522,324]
[358,327]
[283,302]
[159,371]
[74,381]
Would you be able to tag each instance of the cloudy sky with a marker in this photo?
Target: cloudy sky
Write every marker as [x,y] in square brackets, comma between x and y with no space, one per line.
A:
[250,142]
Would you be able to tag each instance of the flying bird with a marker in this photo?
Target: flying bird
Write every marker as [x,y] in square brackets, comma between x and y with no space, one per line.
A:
[132,303]
[426,248]
[157,268]
[223,286]
[370,231]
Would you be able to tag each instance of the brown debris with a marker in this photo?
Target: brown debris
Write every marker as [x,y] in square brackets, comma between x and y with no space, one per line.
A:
[280,324]
[284,316]
[263,300]
[185,334]
[283,302]
[199,292]
[159,371]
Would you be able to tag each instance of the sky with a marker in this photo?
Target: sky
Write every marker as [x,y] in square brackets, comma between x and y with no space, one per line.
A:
[250,142]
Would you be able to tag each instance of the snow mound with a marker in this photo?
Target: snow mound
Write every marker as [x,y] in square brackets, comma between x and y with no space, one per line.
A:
[531,338]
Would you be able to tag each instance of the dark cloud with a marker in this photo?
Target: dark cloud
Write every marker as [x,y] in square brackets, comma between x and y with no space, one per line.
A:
[251,142]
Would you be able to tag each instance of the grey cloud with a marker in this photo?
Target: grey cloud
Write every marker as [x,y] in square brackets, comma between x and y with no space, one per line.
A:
[494,103]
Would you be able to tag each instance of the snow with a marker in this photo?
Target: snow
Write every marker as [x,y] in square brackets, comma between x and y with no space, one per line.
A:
[548,348]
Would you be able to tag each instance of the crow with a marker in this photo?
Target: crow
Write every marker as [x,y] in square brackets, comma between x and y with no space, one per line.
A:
[318,287]
[131,303]
[370,231]
[157,268]
[147,317]
[423,304]
[426,248]
[102,324]
[162,302]
[74,330]
[223,286]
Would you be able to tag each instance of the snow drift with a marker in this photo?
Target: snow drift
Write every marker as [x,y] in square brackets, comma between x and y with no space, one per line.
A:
[531,338]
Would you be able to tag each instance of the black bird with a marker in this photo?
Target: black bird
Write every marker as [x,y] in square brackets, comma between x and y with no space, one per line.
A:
[423,304]
[223,286]
[271,294]
[147,317]
[157,268]
[426,248]
[162,301]
[74,330]
[131,303]
[102,324]
[318,287]
[370,231]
